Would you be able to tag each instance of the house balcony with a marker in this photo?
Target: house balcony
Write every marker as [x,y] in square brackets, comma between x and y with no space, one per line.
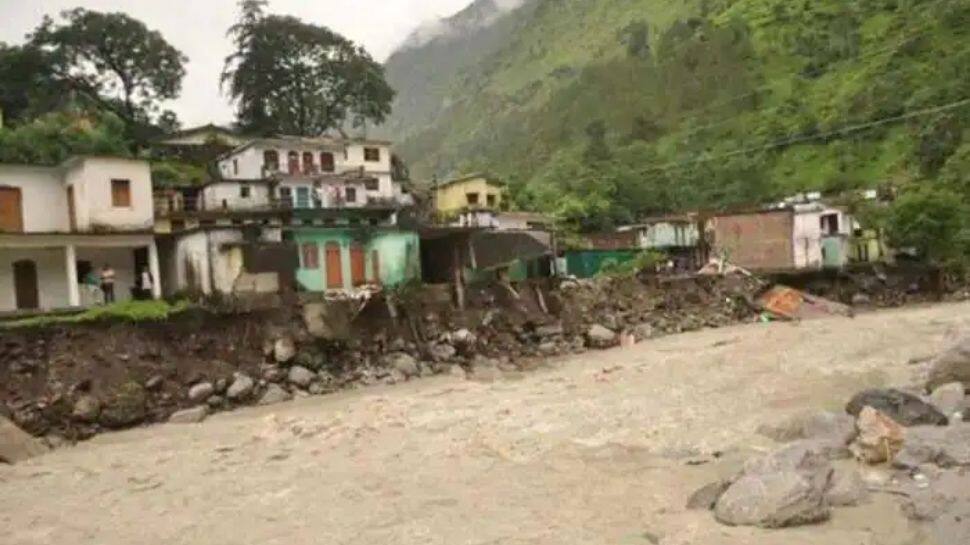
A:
[181,207]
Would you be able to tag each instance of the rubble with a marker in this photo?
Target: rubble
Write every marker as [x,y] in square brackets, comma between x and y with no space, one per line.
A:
[301,376]
[87,409]
[190,416]
[600,336]
[950,399]
[274,394]
[284,350]
[201,391]
[241,387]
[879,439]
[847,488]
[126,406]
[953,365]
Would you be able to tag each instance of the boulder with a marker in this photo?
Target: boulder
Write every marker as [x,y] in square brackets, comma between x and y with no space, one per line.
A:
[773,500]
[953,365]
[125,407]
[241,387]
[442,352]
[284,350]
[949,399]
[705,497]
[404,363]
[860,299]
[812,424]
[271,373]
[301,376]
[879,439]
[600,337]
[190,416]
[846,488]
[643,332]
[274,394]
[17,445]
[945,447]
[551,330]
[463,337]
[904,408]
[86,409]
[201,392]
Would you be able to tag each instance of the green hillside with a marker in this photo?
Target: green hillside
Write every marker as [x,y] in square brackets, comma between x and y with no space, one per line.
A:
[606,110]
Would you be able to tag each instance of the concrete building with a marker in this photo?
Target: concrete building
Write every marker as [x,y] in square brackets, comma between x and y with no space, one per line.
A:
[58,224]
[472,193]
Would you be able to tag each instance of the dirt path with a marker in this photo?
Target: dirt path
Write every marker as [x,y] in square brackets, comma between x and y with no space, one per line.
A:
[596,449]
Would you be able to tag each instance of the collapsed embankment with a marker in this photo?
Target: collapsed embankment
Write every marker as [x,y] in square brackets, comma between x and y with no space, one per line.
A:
[71,382]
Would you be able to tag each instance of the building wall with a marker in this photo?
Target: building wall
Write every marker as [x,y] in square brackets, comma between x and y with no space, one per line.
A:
[91,178]
[200,261]
[668,235]
[398,250]
[759,240]
[43,197]
[213,196]
[807,237]
[453,197]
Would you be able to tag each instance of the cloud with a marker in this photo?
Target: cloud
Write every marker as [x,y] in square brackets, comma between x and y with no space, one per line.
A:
[479,14]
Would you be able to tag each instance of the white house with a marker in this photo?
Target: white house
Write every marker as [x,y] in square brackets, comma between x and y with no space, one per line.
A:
[820,236]
[59,224]
[317,172]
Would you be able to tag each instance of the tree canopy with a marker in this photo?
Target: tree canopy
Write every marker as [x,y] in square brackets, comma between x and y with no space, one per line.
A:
[114,61]
[288,76]
[53,137]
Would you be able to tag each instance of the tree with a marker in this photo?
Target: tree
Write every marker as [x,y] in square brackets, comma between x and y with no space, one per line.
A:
[291,77]
[53,137]
[113,59]
[596,146]
[933,222]
[27,83]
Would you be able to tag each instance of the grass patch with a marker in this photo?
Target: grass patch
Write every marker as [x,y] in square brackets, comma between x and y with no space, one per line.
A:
[127,311]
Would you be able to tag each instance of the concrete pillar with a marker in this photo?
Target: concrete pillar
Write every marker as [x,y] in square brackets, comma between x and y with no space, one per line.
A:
[73,291]
[155,270]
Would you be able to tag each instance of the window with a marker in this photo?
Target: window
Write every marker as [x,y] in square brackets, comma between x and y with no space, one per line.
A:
[286,196]
[235,166]
[829,224]
[293,162]
[351,193]
[244,191]
[490,200]
[271,161]
[308,166]
[472,199]
[372,155]
[310,255]
[121,193]
[326,162]
[372,184]
[303,197]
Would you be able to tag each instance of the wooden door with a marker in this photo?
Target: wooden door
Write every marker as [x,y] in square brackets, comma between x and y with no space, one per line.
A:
[375,261]
[335,273]
[25,284]
[71,211]
[357,275]
[11,210]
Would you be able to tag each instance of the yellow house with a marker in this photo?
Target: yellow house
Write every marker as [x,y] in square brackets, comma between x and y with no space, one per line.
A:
[473,192]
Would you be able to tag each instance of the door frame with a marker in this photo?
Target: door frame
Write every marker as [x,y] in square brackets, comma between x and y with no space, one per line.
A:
[33,286]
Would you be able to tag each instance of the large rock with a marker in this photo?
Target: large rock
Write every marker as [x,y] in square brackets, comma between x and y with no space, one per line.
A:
[301,376]
[600,337]
[463,337]
[403,363]
[551,330]
[17,445]
[953,365]
[274,394]
[190,416]
[945,447]
[784,488]
[126,406]
[284,350]
[879,439]
[442,352]
[838,427]
[705,497]
[904,408]
[846,488]
[949,399]
[201,392]
[241,387]
[86,409]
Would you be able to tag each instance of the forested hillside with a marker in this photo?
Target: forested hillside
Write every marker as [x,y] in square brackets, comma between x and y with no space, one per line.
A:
[606,110]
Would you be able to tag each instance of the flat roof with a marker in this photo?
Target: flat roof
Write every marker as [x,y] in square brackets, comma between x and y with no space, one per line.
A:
[489,179]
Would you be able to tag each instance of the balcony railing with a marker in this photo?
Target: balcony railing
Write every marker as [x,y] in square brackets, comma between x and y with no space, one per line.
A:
[179,206]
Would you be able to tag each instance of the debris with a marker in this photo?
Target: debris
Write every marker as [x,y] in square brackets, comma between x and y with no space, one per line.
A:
[241,387]
[17,445]
[284,350]
[441,352]
[600,337]
[403,363]
[201,391]
[950,399]
[190,416]
[127,406]
[86,409]
[301,376]
[904,408]
[792,304]
[274,394]
[880,437]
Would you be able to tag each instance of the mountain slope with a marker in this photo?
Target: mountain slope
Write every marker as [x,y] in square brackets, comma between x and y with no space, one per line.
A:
[603,110]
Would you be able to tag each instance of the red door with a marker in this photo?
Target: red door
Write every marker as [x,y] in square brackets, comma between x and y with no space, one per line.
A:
[335,274]
[357,266]
[11,211]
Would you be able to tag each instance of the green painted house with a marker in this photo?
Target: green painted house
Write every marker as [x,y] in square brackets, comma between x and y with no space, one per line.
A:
[343,258]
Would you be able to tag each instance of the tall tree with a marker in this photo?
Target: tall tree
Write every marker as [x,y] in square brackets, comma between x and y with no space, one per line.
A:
[27,83]
[287,76]
[114,60]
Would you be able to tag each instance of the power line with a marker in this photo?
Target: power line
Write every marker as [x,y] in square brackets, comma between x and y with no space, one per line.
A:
[843,131]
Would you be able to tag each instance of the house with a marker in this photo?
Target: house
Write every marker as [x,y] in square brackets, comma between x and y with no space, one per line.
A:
[331,213]
[808,235]
[59,223]
[676,236]
[475,193]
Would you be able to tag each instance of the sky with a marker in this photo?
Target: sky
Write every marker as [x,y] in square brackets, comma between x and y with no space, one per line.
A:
[198,29]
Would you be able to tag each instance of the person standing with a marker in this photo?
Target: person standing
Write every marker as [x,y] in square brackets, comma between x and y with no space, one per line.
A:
[146,284]
[108,283]
[92,282]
